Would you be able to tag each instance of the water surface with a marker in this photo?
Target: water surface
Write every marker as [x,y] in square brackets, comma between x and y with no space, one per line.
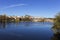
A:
[26,31]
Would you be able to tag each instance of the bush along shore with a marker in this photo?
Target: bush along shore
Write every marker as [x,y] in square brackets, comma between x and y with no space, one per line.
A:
[56,26]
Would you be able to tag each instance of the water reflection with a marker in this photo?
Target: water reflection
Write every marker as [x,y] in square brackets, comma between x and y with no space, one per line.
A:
[56,36]
[3,25]
[27,24]
[29,30]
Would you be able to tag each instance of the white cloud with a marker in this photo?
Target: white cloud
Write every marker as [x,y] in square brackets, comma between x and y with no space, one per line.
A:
[10,6]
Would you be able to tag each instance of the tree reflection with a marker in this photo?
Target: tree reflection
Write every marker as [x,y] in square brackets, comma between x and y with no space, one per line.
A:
[27,24]
[56,36]
[2,25]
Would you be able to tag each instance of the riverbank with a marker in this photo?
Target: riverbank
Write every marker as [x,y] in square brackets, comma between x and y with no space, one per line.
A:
[26,18]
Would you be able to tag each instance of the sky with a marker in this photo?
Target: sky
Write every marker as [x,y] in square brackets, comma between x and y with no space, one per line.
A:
[41,8]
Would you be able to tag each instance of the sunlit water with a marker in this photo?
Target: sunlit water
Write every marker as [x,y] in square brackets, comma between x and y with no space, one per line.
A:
[26,31]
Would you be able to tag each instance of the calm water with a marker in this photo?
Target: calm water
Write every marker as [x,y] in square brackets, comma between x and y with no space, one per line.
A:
[26,31]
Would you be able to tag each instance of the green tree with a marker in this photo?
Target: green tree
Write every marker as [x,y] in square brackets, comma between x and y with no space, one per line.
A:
[57,21]
[3,18]
[27,18]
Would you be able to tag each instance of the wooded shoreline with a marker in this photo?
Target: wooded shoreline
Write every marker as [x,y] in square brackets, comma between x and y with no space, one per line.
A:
[5,18]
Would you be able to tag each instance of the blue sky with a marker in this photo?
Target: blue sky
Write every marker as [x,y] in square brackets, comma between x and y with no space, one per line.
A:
[42,8]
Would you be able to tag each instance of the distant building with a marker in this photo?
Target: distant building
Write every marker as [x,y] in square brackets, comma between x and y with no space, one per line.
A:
[25,18]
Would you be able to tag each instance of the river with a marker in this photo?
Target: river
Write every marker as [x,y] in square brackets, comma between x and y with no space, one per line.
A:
[26,31]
